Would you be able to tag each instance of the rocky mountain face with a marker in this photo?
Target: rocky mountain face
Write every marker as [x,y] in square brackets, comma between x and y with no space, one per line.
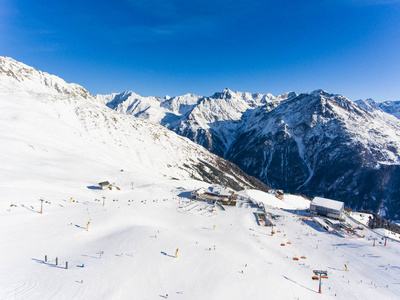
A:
[318,144]
[323,144]
[65,117]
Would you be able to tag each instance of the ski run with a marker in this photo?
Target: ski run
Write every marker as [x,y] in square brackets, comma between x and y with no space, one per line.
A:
[145,238]
[121,244]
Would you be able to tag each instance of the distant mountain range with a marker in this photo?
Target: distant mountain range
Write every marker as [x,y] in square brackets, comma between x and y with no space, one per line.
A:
[317,144]
[390,107]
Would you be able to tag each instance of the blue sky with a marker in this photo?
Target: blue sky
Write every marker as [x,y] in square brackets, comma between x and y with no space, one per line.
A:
[173,47]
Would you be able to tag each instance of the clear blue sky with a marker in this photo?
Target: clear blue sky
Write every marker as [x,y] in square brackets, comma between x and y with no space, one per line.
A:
[159,47]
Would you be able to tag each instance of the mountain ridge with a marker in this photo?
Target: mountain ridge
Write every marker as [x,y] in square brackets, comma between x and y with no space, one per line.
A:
[86,126]
[311,128]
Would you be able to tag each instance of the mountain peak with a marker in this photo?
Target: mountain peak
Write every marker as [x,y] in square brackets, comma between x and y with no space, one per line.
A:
[225,94]
[320,92]
[19,75]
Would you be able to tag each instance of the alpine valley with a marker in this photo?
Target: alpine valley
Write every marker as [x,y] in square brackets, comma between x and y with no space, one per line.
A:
[316,144]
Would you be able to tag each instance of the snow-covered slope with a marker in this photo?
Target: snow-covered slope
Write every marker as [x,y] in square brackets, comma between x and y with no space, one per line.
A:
[40,122]
[130,103]
[16,75]
[389,107]
[121,243]
[128,251]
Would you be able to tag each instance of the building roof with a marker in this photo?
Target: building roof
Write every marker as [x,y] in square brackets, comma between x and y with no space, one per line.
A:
[333,204]
[221,191]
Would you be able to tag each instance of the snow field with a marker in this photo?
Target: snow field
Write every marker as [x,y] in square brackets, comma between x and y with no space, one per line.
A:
[139,240]
[54,146]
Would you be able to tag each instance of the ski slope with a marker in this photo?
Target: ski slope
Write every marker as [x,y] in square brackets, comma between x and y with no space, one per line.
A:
[140,233]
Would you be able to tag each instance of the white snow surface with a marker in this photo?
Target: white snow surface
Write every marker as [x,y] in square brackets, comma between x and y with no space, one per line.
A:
[58,145]
[292,202]
[139,240]
[362,218]
[15,74]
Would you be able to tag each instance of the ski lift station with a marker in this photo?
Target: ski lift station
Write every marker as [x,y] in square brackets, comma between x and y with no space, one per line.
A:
[215,194]
[327,207]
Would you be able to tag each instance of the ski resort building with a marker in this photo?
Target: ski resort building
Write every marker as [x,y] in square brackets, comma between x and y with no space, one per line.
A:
[216,194]
[327,207]
[104,185]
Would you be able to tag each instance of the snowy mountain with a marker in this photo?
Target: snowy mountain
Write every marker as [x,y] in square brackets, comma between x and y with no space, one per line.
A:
[16,75]
[64,238]
[43,116]
[389,107]
[315,143]
[209,121]
[323,144]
